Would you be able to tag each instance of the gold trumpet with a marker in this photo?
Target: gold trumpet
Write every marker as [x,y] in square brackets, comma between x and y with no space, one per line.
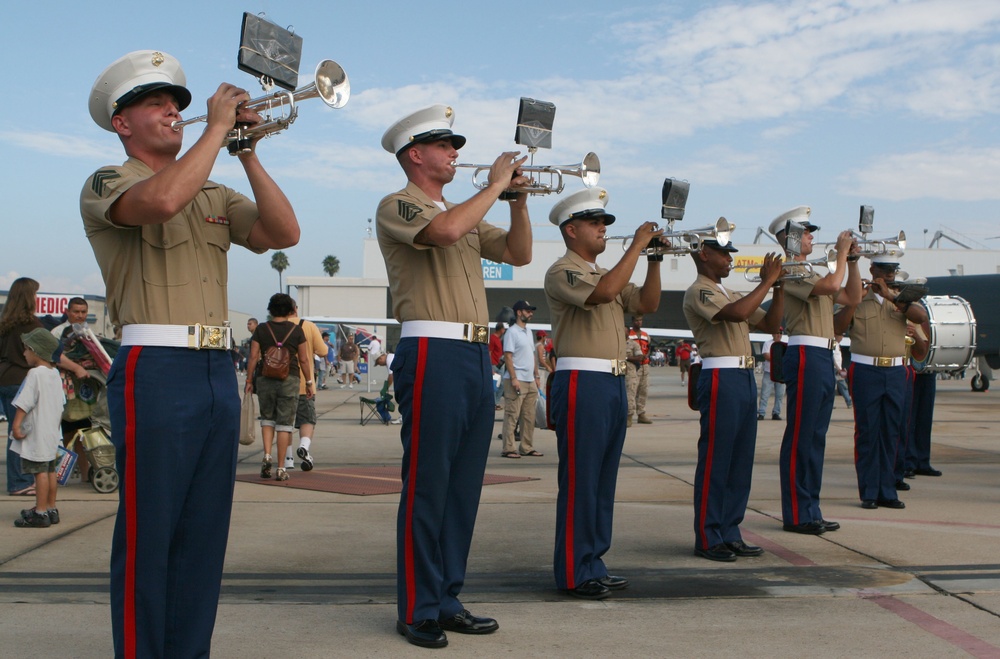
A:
[589,171]
[331,85]
[683,242]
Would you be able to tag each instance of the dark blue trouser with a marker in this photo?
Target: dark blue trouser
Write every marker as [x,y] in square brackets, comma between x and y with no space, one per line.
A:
[726,400]
[589,412]
[16,479]
[921,420]
[808,375]
[878,412]
[445,393]
[905,426]
[175,417]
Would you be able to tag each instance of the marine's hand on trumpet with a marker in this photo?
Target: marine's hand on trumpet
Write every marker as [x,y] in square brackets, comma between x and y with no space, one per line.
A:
[846,244]
[645,234]
[505,172]
[771,270]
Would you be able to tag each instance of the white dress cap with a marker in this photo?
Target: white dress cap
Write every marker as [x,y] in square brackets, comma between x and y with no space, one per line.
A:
[799,214]
[133,76]
[427,125]
[586,203]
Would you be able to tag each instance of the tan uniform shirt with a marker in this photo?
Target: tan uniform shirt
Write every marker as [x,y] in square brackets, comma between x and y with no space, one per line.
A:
[805,313]
[581,329]
[879,329]
[317,346]
[717,338]
[434,283]
[173,273]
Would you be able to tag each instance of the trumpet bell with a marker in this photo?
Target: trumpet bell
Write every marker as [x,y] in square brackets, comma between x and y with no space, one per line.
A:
[331,85]
[590,170]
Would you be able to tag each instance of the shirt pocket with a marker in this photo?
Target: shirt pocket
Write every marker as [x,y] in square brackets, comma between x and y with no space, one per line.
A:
[167,258]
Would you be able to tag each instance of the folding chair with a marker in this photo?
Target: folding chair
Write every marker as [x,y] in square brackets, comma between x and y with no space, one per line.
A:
[369,410]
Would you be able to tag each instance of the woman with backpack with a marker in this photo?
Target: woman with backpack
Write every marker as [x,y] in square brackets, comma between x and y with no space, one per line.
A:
[280,345]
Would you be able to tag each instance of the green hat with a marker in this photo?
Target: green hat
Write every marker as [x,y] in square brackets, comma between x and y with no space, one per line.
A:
[42,343]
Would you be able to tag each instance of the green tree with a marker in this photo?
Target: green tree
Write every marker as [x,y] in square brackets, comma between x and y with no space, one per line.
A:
[279,261]
[331,265]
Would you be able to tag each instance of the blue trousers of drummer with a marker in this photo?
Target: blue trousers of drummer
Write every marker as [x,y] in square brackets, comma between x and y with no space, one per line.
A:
[175,425]
[727,402]
[589,411]
[445,393]
[905,426]
[809,383]
[878,414]
[921,421]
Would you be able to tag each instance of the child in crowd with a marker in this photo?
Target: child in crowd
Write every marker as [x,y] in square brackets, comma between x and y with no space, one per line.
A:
[39,405]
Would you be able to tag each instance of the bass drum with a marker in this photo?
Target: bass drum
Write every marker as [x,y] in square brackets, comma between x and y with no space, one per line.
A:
[953,335]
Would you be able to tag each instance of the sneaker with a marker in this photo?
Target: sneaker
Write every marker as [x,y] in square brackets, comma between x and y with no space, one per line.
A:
[34,520]
[398,420]
[265,467]
[350,386]
[307,460]
[775,417]
[760,417]
[280,474]
[54,515]
[289,462]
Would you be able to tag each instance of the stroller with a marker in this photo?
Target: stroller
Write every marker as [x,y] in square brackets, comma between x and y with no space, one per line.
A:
[90,402]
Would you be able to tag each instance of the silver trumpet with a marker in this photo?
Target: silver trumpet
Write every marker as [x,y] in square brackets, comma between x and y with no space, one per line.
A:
[891,246]
[792,270]
[589,171]
[331,86]
[683,242]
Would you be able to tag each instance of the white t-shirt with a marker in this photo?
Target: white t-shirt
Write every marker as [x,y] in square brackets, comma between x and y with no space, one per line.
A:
[42,399]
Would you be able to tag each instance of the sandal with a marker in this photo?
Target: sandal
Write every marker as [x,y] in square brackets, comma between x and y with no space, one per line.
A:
[510,454]
[533,454]
[25,492]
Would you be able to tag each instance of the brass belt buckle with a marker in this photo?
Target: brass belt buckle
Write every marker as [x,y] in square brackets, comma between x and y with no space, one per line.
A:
[883,362]
[618,366]
[208,336]
[748,362]
[476,333]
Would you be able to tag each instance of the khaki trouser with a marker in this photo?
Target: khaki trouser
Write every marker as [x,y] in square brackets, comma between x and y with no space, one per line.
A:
[519,407]
[637,384]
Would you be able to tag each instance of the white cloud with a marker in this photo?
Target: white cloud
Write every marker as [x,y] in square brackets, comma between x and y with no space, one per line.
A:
[962,174]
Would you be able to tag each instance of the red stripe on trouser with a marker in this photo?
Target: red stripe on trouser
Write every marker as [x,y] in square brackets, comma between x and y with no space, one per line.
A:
[850,390]
[792,485]
[570,477]
[418,394]
[706,477]
[130,502]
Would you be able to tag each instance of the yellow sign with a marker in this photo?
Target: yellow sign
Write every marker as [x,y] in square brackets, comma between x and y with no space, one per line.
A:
[745,262]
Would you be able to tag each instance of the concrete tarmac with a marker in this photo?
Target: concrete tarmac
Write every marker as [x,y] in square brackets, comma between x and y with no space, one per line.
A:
[312,574]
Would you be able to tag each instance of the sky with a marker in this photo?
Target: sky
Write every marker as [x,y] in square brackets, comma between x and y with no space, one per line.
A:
[761,106]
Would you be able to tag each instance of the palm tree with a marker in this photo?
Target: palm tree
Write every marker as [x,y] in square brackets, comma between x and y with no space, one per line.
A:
[331,265]
[280,263]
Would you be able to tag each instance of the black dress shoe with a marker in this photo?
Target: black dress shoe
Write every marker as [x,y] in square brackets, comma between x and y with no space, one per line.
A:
[591,589]
[869,504]
[775,417]
[760,417]
[717,553]
[828,525]
[891,503]
[902,485]
[930,471]
[464,622]
[808,528]
[909,473]
[613,583]
[425,633]
[744,550]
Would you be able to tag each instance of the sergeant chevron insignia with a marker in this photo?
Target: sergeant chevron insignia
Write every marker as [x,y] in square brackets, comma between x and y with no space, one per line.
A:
[407,210]
[100,178]
[704,294]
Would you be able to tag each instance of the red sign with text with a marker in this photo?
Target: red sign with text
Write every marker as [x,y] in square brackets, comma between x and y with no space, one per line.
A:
[47,304]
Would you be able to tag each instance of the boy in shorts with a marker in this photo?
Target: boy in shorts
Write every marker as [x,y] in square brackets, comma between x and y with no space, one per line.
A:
[39,405]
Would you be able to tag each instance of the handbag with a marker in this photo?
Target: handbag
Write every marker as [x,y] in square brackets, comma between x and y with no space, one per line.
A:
[248,420]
